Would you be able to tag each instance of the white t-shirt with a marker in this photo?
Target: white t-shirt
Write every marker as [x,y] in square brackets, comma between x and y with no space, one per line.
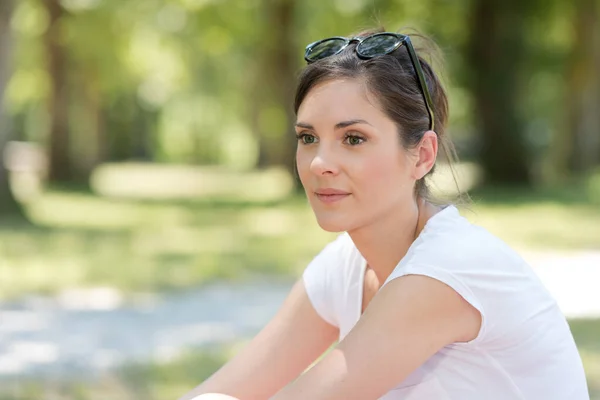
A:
[524,350]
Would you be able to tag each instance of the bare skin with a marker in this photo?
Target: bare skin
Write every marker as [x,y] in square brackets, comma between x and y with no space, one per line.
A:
[289,343]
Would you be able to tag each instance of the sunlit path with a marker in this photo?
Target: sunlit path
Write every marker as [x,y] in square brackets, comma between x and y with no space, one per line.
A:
[86,331]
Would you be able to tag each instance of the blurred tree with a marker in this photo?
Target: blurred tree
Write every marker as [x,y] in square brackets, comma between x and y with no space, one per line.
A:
[496,54]
[96,78]
[91,148]
[205,81]
[580,144]
[119,119]
[8,205]
[57,58]
[274,85]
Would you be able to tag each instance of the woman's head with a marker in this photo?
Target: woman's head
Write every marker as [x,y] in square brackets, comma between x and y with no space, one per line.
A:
[382,158]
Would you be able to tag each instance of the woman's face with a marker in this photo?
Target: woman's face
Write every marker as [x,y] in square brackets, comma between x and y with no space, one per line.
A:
[350,159]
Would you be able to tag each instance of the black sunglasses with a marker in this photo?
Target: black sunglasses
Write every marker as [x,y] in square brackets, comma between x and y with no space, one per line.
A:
[375,45]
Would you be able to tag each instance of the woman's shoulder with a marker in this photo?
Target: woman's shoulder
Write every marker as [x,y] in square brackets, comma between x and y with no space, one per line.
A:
[329,274]
[337,258]
[450,238]
[479,266]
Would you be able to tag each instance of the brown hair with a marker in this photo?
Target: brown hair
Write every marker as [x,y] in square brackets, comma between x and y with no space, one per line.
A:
[392,79]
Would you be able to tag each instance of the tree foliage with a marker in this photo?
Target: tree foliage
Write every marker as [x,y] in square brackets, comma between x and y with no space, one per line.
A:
[211,81]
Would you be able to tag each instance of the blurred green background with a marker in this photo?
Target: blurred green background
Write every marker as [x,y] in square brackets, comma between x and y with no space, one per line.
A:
[146,146]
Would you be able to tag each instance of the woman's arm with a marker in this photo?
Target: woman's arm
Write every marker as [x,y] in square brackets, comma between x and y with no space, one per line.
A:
[290,342]
[408,321]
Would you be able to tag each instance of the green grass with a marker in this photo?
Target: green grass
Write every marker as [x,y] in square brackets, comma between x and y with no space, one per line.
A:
[587,337]
[134,244]
[541,226]
[82,239]
[558,218]
[171,380]
[132,382]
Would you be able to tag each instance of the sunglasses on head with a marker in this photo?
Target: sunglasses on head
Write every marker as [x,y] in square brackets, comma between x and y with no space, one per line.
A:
[378,44]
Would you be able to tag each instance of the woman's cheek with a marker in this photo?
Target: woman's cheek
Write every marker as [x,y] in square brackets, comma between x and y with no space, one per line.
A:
[302,164]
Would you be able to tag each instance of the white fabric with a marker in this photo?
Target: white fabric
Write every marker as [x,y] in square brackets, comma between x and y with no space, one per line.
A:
[524,350]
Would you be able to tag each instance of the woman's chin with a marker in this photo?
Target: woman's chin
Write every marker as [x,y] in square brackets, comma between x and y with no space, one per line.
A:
[332,225]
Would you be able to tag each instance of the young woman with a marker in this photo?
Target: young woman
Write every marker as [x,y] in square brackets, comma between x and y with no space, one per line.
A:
[424,304]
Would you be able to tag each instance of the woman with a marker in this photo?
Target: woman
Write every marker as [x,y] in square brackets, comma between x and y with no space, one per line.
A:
[424,304]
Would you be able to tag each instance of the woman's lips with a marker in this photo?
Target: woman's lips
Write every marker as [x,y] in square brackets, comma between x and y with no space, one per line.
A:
[331,195]
[331,198]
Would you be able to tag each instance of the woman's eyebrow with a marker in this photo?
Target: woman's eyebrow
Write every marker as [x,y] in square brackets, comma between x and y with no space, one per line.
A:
[339,125]
[305,126]
[345,124]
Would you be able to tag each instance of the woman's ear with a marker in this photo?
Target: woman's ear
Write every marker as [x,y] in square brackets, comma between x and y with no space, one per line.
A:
[426,153]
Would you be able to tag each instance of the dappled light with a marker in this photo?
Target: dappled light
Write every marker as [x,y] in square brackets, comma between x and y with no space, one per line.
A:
[151,216]
[164,182]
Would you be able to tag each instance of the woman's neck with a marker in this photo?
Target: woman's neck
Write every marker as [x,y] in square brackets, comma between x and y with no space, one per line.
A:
[385,242]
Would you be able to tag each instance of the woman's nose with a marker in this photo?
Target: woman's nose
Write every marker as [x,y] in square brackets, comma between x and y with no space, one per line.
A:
[324,163]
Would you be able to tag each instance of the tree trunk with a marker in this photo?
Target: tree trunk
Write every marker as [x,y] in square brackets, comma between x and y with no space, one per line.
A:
[119,118]
[60,165]
[273,94]
[144,133]
[496,53]
[580,144]
[9,207]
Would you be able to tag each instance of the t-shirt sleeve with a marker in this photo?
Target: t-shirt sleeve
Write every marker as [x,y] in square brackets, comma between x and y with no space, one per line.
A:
[455,281]
[320,279]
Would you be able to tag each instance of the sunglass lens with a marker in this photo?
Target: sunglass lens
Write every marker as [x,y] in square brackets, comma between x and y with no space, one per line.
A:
[324,49]
[377,45]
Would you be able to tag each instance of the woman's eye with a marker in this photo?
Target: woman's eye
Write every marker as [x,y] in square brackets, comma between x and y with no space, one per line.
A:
[306,139]
[354,140]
